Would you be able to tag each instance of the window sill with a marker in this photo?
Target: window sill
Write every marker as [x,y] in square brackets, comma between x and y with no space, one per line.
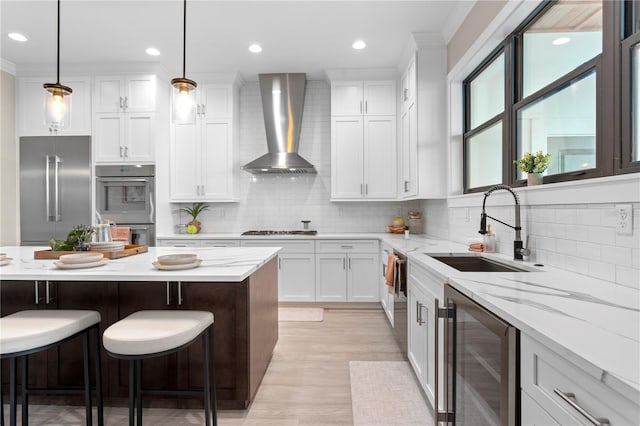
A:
[610,189]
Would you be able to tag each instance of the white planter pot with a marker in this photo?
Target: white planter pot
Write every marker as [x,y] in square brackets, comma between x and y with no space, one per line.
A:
[534,179]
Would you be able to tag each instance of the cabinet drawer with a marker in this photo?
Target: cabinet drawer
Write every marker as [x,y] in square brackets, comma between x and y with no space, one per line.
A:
[220,243]
[545,373]
[178,243]
[288,246]
[347,246]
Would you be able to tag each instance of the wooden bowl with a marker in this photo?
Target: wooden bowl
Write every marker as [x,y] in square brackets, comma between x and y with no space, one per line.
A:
[177,259]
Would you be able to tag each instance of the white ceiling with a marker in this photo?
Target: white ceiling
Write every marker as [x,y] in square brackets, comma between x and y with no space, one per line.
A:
[297,36]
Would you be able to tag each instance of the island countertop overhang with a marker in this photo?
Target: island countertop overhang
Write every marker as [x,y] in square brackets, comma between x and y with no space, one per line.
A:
[228,264]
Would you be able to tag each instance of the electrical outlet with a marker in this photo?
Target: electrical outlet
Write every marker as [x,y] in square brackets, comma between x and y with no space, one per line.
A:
[624,223]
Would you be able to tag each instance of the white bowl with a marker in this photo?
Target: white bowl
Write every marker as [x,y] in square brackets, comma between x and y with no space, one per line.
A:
[177,259]
[81,258]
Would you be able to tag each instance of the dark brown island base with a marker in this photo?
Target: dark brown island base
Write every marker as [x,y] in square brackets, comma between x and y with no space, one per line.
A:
[245,326]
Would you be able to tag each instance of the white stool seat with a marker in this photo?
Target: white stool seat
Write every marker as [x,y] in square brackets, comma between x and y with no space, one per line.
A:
[26,330]
[149,332]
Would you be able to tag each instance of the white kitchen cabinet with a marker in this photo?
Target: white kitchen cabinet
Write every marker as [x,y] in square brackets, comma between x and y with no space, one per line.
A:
[202,160]
[409,85]
[409,153]
[347,271]
[296,268]
[31,110]
[363,158]
[134,93]
[363,98]
[545,375]
[124,118]
[386,297]
[122,137]
[417,332]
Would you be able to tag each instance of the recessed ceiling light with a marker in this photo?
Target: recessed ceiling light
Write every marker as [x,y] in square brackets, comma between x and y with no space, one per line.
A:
[17,37]
[561,40]
[152,51]
[255,48]
[359,44]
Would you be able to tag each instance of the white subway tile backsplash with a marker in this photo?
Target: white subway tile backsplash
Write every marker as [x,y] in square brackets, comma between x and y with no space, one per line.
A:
[629,277]
[566,247]
[589,217]
[605,271]
[602,235]
[632,241]
[566,216]
[588,250]
[617,255]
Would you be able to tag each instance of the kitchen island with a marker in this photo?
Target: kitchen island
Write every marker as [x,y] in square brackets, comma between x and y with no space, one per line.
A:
[238,285]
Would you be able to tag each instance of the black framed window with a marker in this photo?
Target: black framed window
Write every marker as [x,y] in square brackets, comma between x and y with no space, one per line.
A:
[571,88]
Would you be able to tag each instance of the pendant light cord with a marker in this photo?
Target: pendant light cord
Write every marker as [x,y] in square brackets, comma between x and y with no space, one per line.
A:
[184,40]
[58,53]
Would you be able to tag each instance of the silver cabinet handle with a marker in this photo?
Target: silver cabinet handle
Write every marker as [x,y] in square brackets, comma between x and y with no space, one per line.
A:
[56,187]
[344,246]
[366,189]
[570,398]
[168,294]
[349,263]
[360,107]
[202,189]
[126,102]
[421,321]
[179,293]
[204,109]
[126,152]
[384,270]
[47,188]
[121,152]
[361,191]
[406,186]
[279,263]
[417,312]
[366,103]
[406,94]
[121,104]
[47,293]
[344,263]
[198,109]
[35,284]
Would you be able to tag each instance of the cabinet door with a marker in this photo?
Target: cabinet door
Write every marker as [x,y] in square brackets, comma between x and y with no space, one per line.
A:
[138,137]
[417,347]
[217,100]
[347,158]
[380,157]
[185,162]
[531,414]
[31,109]
[362,278]
[140,93]
[216,159]
[347,98]
[108,137]
[295,277]
[108,94]
[409,178]
[409,85]
[331,278]
[379,98]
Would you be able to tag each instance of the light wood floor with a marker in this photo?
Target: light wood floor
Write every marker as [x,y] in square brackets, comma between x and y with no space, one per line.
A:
[307,382]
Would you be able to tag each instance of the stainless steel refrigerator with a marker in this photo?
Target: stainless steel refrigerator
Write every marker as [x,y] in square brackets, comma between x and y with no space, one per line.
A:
[55,187]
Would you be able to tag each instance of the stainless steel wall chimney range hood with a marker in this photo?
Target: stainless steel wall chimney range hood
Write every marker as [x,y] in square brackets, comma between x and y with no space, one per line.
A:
[282,102]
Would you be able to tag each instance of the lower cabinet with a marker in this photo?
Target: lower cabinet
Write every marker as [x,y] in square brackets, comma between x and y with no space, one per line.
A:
[556,391]
[348,277]
[417,332]
[386,296]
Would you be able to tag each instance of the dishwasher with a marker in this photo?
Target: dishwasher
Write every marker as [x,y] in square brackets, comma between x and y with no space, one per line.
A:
[400,302]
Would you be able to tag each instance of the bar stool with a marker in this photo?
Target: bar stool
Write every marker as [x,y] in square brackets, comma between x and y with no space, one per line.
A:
[150,334]
[27,332]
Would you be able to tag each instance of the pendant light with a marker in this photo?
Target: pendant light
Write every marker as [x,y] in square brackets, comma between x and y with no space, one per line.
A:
[183,101]
[57,98]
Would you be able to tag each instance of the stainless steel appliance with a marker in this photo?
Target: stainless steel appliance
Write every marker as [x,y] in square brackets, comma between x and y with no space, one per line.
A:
[55,187]
[400,302]
[125,195]
[269,232]
[482,365]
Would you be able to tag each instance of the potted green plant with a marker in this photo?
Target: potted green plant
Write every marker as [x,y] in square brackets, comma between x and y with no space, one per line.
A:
[80,236]
[194,226]
[534,166]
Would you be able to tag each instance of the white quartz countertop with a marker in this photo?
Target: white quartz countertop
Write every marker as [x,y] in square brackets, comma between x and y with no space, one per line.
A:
[230,264]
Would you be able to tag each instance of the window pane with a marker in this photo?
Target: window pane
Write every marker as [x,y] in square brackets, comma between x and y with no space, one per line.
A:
[635,102]
[484,157]
[563,124]
[563,38]
[487,93]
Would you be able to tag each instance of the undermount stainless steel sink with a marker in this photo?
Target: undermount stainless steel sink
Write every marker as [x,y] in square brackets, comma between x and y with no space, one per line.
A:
[466,262]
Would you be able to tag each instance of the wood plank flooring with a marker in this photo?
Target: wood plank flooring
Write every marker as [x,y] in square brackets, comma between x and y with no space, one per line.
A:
[307,382]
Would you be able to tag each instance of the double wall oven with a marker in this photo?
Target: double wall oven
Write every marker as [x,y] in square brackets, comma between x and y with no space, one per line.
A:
[481,365]
[125,195]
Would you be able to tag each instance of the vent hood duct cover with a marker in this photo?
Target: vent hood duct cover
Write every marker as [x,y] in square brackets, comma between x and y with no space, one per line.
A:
[282,103]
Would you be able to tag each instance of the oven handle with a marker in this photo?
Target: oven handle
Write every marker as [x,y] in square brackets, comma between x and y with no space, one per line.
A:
[152,210]
[121,179]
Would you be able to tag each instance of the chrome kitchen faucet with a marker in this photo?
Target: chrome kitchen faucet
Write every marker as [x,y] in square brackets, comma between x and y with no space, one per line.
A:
[518,250]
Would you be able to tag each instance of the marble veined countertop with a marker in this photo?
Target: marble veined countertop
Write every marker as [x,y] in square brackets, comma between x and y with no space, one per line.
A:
[229,264]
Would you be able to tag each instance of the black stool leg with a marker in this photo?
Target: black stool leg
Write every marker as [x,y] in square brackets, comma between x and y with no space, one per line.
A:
[13,366]
[25,386]
[87,384]
[98,367]
[206,388]
[212,383]
[132,388]
[139,390]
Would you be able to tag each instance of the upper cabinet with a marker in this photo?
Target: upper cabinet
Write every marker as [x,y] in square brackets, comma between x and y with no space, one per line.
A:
[408,146]
[409,83]
[123,119]
[363,98]
[31,107]
[202,153]
[363,140]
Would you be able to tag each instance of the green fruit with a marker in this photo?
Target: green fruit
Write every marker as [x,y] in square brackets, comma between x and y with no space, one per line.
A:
[192,229]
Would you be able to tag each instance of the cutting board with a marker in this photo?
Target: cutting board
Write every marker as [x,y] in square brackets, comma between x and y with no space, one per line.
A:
[129,250]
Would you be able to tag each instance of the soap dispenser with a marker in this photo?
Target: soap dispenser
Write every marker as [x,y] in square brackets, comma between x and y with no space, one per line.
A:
[489,241]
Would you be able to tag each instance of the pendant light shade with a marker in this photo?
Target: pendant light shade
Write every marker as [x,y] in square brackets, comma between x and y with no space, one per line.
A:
[183,93]
[57,98]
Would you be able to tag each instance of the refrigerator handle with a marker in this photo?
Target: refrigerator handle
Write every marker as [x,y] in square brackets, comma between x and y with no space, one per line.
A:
[152,208]
[56,173]
[47,191]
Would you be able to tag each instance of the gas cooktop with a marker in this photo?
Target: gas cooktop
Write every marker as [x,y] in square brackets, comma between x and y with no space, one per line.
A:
[301,232]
